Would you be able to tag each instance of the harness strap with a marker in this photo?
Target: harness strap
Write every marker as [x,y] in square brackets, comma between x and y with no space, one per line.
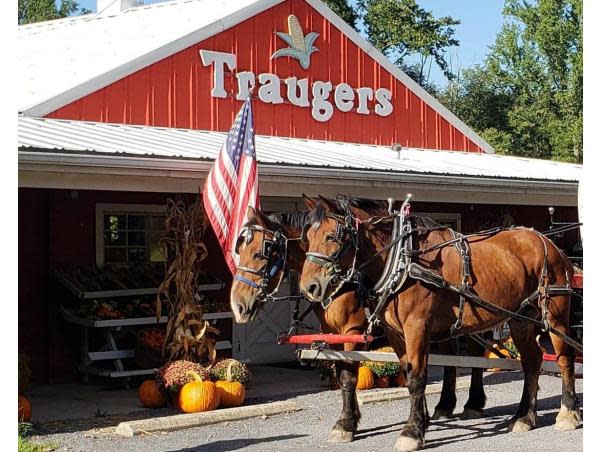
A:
[253,284]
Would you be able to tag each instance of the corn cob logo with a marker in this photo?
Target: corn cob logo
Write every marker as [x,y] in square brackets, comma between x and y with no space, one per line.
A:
[299,46]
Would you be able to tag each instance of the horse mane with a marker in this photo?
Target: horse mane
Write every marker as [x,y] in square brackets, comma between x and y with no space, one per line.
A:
[318,213]
[295,220]
[424,222]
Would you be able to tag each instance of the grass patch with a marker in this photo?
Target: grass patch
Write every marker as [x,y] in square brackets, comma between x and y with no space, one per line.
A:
[26,445]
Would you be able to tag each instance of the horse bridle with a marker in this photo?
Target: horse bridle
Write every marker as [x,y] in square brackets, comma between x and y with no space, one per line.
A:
[273,251]
[346,224]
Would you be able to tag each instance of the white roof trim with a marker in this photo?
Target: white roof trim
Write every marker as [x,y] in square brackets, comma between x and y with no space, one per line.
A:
[94,84]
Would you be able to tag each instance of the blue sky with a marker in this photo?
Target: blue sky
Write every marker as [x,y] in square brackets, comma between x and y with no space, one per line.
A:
[480,22]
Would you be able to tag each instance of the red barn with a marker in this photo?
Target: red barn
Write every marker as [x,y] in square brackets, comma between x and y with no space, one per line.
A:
[123,109]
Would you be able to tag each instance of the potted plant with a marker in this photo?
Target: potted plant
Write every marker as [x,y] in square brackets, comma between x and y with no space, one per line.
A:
[383,370]
[174,375]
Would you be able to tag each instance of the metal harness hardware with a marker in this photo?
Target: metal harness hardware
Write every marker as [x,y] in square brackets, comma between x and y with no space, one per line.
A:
[399,267]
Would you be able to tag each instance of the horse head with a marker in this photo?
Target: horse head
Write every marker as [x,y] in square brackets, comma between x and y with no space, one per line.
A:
[266,245]
[262,255]
[333,238]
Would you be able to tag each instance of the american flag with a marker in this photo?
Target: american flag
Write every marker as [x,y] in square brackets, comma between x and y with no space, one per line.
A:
[231,186]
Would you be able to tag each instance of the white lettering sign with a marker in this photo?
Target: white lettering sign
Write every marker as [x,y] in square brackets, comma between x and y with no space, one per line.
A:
[364,100]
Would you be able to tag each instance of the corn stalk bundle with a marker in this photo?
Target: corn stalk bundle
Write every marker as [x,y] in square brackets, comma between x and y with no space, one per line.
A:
[187,332]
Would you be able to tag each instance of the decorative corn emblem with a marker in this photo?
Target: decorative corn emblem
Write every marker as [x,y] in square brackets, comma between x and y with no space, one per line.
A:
[299,46]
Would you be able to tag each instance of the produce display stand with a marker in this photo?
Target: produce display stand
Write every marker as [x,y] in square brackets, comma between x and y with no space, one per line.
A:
[110,350]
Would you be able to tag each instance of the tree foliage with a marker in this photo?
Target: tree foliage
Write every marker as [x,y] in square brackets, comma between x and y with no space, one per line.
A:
[404,31]
[528,97]
[344,11]
[31,11]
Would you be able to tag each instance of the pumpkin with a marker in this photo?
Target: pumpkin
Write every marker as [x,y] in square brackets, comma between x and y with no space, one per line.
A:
[150,395]
[24,409]
[231,393]
[365,379]
[198,395]
[493,355]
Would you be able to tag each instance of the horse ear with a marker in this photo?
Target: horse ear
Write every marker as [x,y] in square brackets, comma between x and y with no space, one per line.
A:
[251,213]
[310,203]
[328,203]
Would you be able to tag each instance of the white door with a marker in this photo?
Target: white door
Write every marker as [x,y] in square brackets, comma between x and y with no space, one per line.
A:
[256,342]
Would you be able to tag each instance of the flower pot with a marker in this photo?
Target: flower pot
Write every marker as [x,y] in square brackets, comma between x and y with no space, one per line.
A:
[174,401]
[400,379]
[381,382]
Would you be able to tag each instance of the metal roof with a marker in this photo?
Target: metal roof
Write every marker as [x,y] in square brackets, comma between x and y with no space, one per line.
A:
[54,57]
[84,138]
[63,60]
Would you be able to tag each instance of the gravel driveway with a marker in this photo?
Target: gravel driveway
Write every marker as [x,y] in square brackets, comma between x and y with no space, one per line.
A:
[308,430]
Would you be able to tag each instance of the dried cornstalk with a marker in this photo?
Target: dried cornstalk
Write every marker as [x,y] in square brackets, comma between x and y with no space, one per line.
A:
[187,332]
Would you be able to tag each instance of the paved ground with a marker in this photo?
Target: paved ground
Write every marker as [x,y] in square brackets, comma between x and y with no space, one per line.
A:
[308,430]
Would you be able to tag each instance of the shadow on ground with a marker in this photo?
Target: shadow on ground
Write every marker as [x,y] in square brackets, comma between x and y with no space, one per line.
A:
[236,444]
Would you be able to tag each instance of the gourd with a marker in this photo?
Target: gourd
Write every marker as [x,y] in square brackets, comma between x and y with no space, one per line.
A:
[365,378]
[231,393]
[150,395]
[198,395]
[24,409]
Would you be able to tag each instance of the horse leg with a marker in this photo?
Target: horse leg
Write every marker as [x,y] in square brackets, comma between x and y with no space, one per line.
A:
[447,401]
[523,336]
[473,409]
[569,415]
[417,337]
[346,425]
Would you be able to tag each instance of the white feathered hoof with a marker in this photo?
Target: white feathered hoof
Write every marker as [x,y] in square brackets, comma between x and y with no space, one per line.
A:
[523,424]
[470,413]
[340,436]
[567,419]
[407,444]
[442,413]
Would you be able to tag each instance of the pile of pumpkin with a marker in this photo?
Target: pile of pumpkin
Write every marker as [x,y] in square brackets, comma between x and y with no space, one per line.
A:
[191,388]
[379,374]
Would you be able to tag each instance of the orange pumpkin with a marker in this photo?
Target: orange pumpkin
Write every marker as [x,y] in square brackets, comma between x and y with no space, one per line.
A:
[198,395]
[231,393]
[24,409]
[150,395]
[493,355]
[365,379]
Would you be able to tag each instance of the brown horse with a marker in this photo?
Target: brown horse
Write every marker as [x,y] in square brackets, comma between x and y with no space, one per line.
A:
[344,316]
[506,268]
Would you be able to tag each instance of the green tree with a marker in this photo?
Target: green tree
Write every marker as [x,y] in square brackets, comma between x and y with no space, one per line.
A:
[528,98]
[31,11]
[345,11]
[403,31]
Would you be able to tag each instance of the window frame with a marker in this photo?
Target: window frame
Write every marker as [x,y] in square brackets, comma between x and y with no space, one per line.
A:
[104,208]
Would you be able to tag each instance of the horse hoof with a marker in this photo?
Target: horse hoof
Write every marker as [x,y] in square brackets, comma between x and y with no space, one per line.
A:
[470,413]
[567,419]
[523,424]
[340,436]
[407,444]
[442,413]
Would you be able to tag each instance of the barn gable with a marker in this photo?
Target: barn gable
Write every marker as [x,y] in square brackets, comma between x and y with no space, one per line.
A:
[173,86]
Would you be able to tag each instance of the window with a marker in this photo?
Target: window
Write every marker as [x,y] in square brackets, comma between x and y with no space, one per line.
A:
[128,233]
[451,220]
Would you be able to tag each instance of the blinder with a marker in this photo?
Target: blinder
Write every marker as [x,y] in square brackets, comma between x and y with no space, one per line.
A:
[273,252]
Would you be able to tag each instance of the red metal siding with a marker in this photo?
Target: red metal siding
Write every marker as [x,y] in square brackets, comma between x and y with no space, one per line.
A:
[175,92]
